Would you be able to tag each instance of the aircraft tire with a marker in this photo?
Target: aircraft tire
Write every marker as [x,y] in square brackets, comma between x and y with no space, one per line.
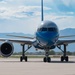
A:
[25,58]
[49,59]
[44,59]
[66,58]
[21,59]
[62,58]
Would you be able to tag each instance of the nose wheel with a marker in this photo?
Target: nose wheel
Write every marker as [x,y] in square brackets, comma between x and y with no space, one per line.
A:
[47,58]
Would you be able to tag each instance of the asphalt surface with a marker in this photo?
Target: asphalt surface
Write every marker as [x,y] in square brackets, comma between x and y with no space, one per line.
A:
[35,66]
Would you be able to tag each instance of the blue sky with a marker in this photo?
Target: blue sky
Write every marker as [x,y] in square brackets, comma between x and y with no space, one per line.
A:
[24,15]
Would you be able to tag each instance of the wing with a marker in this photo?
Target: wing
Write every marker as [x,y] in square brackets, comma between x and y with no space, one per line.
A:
[21,41]
[22,36]
[66,36]
[61,42]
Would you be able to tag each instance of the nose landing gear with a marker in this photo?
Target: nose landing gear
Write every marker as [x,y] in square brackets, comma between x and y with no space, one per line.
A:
[47,58]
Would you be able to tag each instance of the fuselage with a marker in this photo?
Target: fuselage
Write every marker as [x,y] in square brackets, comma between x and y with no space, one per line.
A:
[47,34]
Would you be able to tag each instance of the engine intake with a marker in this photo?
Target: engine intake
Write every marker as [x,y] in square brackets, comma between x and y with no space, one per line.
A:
[6,49]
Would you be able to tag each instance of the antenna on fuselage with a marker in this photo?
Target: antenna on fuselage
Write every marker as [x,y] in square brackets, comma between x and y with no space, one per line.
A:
[42,17]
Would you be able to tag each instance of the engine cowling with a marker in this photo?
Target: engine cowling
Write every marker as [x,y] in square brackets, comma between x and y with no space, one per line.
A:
[6,49]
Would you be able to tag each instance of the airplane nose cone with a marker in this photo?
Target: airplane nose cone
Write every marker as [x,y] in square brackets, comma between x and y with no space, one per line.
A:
[47,38]
[47,43]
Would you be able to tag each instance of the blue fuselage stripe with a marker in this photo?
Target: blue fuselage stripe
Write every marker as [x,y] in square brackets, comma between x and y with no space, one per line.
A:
[47,38]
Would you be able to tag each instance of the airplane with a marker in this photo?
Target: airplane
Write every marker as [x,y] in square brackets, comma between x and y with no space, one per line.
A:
[46,38]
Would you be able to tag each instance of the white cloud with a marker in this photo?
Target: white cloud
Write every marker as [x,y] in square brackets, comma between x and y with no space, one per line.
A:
[66,22]
[67,2]
[2,2]
[62,21]
[30,25]
[15,16]
[20,12]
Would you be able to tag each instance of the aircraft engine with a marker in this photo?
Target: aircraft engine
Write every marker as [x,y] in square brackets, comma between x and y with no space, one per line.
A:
[6,49]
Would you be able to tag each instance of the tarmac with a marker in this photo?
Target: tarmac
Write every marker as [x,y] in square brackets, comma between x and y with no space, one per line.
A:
[35,66]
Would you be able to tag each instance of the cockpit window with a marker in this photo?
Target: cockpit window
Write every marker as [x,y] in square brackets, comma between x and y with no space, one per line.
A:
[42,29]
[48,29]
[52,29]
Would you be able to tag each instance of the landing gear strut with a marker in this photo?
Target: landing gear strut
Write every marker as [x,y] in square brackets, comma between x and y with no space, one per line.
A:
[23,57]
[64,57]
[47,58]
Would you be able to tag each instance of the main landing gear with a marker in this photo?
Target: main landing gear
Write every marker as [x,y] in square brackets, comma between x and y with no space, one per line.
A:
[64,57]
[47,58]
[23,57]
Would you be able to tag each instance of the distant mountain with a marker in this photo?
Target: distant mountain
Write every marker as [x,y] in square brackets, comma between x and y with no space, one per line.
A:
[4,35]
[65,32]
[68,31]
